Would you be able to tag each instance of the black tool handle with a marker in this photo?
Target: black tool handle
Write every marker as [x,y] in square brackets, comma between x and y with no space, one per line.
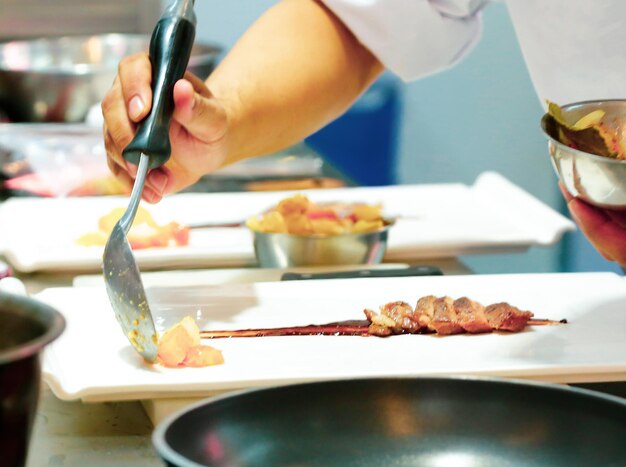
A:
[170,49]
[395,272]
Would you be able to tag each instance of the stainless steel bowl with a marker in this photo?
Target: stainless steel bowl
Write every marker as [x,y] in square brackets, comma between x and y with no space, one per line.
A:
[27,327]
[281,250]
[599,180]
[60,79]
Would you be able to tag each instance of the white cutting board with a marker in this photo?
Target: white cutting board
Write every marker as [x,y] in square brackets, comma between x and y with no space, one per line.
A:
[440,221]
[93,361]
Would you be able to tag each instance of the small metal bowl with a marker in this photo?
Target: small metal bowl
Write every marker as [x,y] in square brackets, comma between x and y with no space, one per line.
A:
[599,180]
[58,79]
[27,327]
[282,250]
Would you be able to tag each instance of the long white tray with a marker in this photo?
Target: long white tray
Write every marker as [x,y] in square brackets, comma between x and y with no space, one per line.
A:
[93,361]
[441,220]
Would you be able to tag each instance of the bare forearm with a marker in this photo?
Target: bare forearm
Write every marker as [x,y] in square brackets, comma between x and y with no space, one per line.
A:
[293,71]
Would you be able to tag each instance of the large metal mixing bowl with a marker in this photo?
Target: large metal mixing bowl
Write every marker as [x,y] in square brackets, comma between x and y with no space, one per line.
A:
[60,79]
[599,180]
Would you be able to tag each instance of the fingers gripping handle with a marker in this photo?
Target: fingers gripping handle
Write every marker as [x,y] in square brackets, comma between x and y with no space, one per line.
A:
[170,49]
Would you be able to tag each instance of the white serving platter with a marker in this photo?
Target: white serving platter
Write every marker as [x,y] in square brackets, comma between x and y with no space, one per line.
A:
[436,221]
[93,361]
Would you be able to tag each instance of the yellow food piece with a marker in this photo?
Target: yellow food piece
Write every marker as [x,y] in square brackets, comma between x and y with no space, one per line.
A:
[366,212]
[297,204]
[327,227]
[299,224]
[589,120]
[272,222]
[108,221]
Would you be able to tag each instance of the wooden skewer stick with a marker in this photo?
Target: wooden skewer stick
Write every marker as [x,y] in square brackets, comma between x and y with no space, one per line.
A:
[342,328]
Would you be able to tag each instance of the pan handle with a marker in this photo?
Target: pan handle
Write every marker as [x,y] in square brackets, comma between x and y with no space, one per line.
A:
[400,272]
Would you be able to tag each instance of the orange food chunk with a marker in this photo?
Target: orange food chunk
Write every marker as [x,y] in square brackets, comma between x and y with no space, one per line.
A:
[177,341]
[203,355]
[180,347]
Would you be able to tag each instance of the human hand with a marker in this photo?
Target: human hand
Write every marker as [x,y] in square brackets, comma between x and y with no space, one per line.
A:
[604,228]
[198,131]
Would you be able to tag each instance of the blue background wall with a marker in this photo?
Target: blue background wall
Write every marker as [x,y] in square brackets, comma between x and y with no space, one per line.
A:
[481,115]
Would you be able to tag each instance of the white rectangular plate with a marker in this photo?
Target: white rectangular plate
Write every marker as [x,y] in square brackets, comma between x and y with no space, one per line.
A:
[93,360]
[440,220]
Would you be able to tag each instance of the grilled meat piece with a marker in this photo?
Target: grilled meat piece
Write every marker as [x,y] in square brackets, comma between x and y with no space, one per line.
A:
[425,310]
[471,316]
[445,320]
[394,318]
[505,317]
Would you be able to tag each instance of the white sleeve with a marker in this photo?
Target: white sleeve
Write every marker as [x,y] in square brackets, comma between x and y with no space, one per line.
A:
[413,38]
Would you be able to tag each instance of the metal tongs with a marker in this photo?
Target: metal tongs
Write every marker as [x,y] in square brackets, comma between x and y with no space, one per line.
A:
[170,49]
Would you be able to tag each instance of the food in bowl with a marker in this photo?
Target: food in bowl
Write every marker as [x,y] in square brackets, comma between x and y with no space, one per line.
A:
[298,215]
[595,132]
[586,142]
[144,233]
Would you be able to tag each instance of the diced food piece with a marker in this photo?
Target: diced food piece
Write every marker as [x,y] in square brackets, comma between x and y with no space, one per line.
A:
[203,355]
[180,347]
[177,341]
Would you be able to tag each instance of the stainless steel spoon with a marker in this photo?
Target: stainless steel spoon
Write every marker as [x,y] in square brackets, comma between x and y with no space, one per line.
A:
[170,48]
[123,280]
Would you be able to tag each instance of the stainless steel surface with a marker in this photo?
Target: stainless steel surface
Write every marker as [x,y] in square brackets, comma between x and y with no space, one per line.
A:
[123,280]
[60,79]
[401,422]
[281,250]
[598,180]
[25,18]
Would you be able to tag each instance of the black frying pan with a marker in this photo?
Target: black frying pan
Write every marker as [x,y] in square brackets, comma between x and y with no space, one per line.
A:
[456,422]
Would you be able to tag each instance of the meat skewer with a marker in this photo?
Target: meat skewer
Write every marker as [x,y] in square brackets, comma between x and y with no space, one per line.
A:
[431,315]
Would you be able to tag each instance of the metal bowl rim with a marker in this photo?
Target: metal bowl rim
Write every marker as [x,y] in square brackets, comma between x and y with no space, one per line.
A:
[588,155]
[170,455]
[36,345]
[210,51]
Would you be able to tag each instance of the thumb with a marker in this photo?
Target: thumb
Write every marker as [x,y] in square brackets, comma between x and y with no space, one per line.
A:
[202,117]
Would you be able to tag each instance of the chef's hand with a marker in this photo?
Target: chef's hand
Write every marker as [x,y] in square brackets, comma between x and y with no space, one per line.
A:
[604,228]
[198,131]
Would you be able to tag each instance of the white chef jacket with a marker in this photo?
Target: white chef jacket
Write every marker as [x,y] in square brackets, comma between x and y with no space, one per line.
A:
[574,49]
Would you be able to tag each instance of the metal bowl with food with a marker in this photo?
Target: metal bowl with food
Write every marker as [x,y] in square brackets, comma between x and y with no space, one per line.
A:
[279,250]
[587,150]
[58,79]
[299,232]
[445,421]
